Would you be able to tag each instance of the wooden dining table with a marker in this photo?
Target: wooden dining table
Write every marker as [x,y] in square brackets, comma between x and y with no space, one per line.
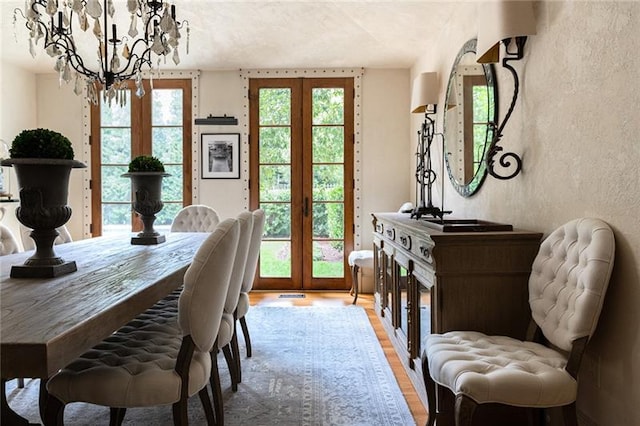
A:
[48,322]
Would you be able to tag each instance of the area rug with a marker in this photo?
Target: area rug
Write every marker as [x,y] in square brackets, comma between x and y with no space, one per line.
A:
[316,365]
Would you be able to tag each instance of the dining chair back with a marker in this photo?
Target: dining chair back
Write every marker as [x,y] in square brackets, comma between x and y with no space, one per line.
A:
[29,244]
[567,287]
[8,242]
[195,218]
[148,363]
[249,275]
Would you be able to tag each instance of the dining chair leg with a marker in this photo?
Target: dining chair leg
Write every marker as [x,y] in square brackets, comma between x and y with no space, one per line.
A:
[235,353]
[206,405]
[180,414]
[116,415]
[245,333]
[20,382]
[569,414]
[216,389]
[232,367]
[53,412]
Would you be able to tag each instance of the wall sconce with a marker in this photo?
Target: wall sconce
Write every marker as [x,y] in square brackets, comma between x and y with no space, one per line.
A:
[509,22]
[424,98]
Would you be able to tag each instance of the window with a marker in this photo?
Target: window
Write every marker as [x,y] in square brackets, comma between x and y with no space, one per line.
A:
[157,124]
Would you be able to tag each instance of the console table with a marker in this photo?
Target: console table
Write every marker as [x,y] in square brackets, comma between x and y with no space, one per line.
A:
[430,280]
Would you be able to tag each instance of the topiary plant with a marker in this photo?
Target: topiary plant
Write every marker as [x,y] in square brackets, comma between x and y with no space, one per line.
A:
[146,163]
[41,143]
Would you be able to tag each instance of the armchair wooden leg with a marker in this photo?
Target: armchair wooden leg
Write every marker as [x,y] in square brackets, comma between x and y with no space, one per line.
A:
[430,385]
[245,333]
[465,407]
[569,414]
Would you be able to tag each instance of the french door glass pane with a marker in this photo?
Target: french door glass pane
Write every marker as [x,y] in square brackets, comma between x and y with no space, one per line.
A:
[275,145]
[328,259]
[275,183]
[114,114]
[279,223]
[328,181]
[116,145]
[275,259]
[116,218]
[275,107]
[328,220]
[328,144]
[328,106]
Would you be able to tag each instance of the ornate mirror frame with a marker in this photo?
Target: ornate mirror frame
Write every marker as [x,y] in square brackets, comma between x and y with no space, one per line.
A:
[461,138]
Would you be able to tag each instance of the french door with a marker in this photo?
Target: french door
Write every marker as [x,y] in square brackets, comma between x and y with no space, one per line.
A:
[157,124]
[301,155]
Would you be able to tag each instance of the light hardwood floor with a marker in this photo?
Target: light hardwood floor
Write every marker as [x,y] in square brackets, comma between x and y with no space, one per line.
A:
[366,301]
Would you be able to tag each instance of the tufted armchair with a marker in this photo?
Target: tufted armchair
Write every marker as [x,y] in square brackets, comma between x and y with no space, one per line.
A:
[247,280]
[148,363]
[195,218]
[8,242]
[567,287]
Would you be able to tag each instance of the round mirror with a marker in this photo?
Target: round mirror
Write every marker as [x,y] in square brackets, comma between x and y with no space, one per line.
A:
[470,115]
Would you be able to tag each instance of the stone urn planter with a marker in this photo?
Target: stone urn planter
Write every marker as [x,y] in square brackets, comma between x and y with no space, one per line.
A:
[43,185]
[146,175]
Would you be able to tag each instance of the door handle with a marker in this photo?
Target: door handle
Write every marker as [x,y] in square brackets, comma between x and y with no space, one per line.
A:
[306,206]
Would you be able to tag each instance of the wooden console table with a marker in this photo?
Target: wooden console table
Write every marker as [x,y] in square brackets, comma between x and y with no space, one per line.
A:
[427,280]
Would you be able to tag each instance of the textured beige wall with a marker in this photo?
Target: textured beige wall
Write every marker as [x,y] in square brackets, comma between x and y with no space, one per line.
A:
[576,126]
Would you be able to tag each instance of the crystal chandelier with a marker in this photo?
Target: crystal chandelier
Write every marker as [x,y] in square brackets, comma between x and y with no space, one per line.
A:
[153,33]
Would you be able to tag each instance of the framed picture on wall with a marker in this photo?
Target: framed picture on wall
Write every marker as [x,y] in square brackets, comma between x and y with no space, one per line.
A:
[220,153]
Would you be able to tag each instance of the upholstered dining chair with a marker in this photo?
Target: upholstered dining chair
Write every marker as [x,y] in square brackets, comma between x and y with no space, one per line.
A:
[148,363]
[195,218]
[247,280]
[28,244]
[567,286]
[227,336]
[8,241]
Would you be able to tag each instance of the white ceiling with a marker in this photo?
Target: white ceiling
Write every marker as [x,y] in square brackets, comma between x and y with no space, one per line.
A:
[237,34]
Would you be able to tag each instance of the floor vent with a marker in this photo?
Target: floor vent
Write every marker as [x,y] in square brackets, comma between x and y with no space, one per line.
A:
[292,296]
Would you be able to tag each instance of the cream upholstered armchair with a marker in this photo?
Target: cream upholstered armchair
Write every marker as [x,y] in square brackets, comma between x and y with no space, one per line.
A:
[147,362]
[8,242]
[195,218]
[567,287]
[247,280]
[28,244]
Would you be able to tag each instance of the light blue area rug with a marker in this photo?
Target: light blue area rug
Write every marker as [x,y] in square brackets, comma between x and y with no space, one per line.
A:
[310,366]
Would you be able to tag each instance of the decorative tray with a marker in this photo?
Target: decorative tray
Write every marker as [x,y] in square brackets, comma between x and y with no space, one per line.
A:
[466,225]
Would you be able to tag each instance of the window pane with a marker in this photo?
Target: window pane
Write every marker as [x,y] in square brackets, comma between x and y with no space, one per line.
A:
[275,259]
[166,215]
[328,259]
[275,107]
[114,114]
[275,145]
[172,185]
[328,220]
[275,183]
[328,106]
[328,144]
[116,218]
[167,144]
[116,145]
[327,183]
[114,186]
[277,223]
[167,107]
